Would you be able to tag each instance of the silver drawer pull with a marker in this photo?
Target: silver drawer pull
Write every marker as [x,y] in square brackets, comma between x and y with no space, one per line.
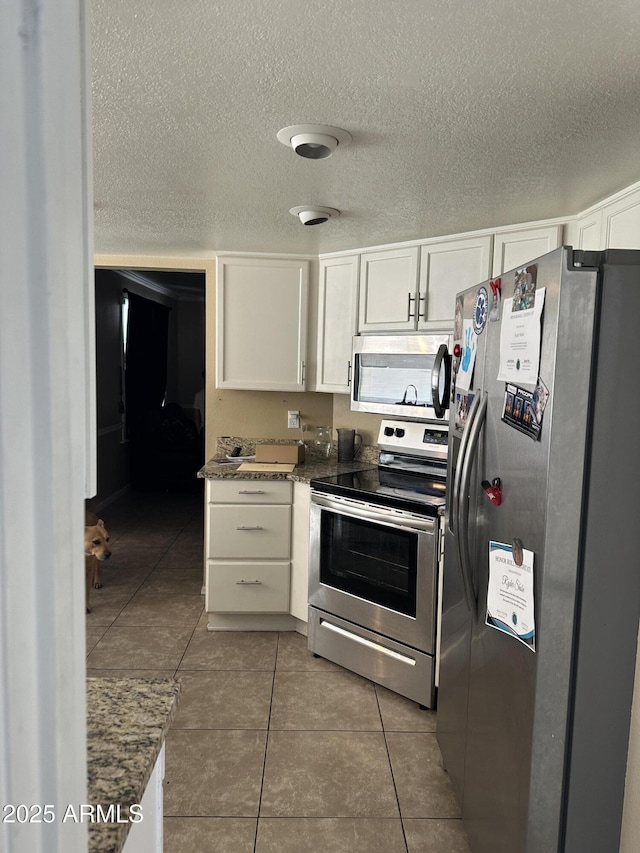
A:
[257,527]
[248,583]
[251,492]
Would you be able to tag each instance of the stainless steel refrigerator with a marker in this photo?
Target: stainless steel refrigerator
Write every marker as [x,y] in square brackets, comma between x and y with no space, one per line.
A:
[541,587]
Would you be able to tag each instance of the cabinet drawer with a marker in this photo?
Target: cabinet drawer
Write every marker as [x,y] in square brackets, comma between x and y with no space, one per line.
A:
[249,491]
[251,532]
[246,587]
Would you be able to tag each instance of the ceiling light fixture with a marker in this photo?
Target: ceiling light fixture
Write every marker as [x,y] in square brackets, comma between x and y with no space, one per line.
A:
[313,215]
[313,141]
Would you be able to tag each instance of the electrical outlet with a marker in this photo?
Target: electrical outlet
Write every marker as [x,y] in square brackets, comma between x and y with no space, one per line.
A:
[293,420]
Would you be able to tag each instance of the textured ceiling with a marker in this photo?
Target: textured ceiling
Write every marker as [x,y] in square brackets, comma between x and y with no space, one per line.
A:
[464,115]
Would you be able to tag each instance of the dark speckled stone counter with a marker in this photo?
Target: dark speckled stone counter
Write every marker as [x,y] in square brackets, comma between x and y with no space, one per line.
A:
[314,465]
[303,473]
[127,722]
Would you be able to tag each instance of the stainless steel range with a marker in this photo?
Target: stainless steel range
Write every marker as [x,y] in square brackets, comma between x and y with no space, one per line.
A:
[375,557]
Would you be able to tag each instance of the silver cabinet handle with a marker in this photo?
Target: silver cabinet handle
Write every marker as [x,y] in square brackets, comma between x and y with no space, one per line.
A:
[348,374]
[422,314]
[248,583]
[257,527]
[410,316]
[251,492]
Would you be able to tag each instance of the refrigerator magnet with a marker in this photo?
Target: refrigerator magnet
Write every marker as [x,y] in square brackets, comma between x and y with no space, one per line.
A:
[480,310]
[468,357]
[523,409]
[496,299]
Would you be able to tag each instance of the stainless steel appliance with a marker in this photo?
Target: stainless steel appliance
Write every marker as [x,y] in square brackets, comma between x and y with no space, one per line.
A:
[541,598]
[375,551]
[402,376]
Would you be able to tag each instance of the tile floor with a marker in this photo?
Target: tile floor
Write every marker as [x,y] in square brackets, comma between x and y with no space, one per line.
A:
[272,750]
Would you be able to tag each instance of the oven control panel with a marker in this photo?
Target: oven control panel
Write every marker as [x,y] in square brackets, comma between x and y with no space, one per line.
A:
[413,438]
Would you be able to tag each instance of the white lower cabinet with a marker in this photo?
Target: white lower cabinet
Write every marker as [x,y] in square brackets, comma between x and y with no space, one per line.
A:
[248,554]
[249,587]
[146,836]
[300,555]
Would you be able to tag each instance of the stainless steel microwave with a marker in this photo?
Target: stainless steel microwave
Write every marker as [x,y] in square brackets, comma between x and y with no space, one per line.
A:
[403,376]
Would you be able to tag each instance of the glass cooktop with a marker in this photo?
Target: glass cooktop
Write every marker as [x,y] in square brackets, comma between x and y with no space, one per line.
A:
[413,492]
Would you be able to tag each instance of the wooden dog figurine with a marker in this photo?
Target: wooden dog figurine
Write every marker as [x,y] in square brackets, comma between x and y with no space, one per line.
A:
[96,549]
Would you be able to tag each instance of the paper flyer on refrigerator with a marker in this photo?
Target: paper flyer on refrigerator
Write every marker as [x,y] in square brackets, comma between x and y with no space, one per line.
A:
[510,593]
[520,334]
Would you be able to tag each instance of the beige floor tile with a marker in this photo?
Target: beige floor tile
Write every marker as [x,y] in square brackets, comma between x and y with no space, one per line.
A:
[436,836]
[130,673]
[93,634]
[185,581]
[403,715]
[140,648]
[327,774]
[147,608]
[213,773]
[423,787]
[224,700]
[151,535]
[294,655]
[324,700]
[135,555]
[330,835]
[231,650]
[117,578]
[106,606]
[209,834]
[183,554]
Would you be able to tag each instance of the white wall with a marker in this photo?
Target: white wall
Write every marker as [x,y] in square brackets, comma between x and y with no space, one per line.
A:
[45,347]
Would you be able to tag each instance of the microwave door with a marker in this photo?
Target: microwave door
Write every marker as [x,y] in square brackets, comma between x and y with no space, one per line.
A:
[402,376]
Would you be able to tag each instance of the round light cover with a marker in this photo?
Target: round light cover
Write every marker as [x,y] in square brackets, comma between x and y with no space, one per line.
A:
[310,214]
[313,141]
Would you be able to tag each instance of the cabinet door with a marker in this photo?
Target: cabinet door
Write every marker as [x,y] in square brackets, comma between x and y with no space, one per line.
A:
[622,222]
[388,290]
[445,269]
[249,532]
[337,322]
[586,232]
[247,587]
[261,323]
[300,551]
[515,248]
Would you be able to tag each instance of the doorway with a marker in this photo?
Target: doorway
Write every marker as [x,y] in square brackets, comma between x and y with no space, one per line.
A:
[127,456]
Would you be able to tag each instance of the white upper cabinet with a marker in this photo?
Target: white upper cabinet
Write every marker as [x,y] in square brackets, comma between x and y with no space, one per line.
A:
[388,290]
[514,248]
[261,323]
[445,269]
[337,322]
[586,231]
[621,222]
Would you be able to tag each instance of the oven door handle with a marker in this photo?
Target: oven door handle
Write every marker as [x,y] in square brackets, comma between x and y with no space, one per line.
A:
[375,513]
[462,506]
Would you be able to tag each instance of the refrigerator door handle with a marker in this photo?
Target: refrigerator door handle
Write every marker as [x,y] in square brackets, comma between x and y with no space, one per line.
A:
[442,362]
[462,505]
[462,452]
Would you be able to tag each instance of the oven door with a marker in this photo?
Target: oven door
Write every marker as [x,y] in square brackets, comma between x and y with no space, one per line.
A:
[376,567]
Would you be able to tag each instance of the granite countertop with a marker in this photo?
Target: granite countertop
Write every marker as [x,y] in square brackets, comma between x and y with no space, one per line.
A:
[314,466]
[127,722]
[302,473]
